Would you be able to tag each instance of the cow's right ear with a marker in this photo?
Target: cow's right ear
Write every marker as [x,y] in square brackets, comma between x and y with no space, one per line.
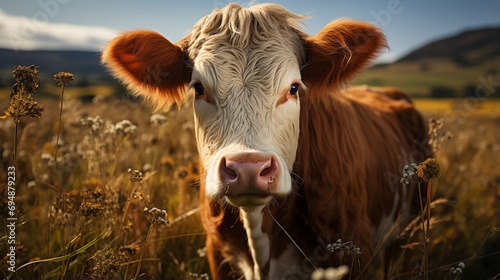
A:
[150,65]
[342,49]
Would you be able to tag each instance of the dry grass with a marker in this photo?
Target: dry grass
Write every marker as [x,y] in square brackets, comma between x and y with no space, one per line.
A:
[88,221]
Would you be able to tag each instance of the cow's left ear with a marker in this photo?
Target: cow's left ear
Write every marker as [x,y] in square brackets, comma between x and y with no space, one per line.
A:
[150,65]
[339,51]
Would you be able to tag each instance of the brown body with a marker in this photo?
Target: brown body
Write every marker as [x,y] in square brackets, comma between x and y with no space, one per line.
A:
[349,161]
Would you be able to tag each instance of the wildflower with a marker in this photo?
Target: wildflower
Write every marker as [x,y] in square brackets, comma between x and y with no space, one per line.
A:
[458,269]
[47,159]
[27,80]
[110,130]
[20,107]
[437,135]
[202,252]
[136,175]
[159,215]
[105,263]
[428,169]
[129,250]
[158,120]
[31,184]
[194,276]
[347,247]
[138,195]
[125,128]
[128,226]
[408,173]
[94,123]
[330,273]
[63,78]
[90,209]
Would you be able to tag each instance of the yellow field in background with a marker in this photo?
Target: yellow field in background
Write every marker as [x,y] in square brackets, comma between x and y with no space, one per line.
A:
[470,106]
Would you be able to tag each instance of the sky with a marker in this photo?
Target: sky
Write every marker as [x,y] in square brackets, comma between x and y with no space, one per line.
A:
[89,24]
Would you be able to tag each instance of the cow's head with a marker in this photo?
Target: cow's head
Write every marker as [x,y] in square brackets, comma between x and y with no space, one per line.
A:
[247,68]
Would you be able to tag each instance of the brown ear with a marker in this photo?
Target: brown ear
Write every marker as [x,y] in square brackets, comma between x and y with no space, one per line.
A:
[339,51]
[150,65]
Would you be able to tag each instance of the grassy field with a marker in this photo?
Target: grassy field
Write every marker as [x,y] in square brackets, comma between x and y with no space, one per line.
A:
[420,78]
[95,210]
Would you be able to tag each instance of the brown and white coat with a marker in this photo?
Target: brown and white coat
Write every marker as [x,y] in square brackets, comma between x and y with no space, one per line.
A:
[287,153]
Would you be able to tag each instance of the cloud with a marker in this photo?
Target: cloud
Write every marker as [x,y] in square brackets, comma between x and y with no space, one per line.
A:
[23,33]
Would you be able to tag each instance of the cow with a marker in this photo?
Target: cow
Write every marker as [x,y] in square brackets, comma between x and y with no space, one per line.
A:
[292,159]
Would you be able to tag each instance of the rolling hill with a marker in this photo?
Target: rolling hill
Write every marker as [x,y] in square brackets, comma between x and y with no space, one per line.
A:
[465,49]
[450,67]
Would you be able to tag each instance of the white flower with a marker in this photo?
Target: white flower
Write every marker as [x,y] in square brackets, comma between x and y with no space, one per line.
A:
[125,128]
[94,123]
[330,273]
[409,171]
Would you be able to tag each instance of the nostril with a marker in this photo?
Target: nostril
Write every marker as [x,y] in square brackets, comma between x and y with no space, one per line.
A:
[268,169]
[229,173]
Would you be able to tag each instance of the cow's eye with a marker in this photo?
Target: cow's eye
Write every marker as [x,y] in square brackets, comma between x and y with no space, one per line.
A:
[198,89]
[294,88]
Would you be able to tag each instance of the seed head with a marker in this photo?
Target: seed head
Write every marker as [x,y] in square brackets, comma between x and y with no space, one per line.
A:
[20,107]
[159,215]
[105,262]
[27,80]
[129,250]
[91,209]
[347,247]
[429,169]
[136,175]
[64,78]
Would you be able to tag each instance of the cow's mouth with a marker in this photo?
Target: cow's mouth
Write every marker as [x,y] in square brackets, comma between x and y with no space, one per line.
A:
[249,199]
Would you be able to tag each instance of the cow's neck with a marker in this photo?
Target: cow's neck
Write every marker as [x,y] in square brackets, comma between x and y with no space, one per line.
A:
[258,241]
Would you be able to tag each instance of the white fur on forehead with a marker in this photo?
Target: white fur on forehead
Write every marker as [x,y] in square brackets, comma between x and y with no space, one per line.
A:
[250,47]
[238,25]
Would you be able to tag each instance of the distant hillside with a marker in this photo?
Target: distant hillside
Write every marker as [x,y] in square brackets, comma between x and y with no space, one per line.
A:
[467,48]
[449,67]
[85,65]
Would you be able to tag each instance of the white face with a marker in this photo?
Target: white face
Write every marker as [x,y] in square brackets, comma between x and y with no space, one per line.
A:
[247,110]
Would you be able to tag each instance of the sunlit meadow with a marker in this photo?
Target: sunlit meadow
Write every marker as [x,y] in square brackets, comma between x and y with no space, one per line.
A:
[107,189]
